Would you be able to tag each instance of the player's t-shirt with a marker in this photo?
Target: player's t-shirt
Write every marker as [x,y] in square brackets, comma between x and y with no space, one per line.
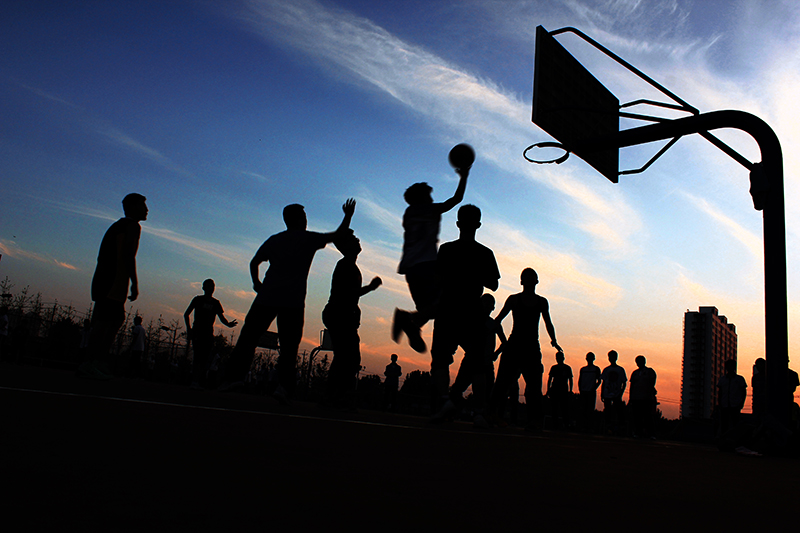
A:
[561,374]
[138,338]
[392,373]
[289,254]
[206,310]
[614,380]
[732,391]
[464,269]
[345,292]
[112,274]
[420,235]
[588,378]
[643,384]
[526,310]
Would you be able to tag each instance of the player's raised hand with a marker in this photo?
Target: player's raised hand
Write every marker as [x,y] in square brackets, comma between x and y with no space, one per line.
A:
[349,207]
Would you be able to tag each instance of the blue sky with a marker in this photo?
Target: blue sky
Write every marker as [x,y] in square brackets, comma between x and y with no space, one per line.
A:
[221,113]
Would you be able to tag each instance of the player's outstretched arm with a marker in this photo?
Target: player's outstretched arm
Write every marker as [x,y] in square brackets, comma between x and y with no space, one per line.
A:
[453,201]
[371,286]
[229,323]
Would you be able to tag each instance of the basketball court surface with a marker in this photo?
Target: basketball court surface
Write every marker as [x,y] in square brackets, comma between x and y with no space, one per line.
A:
[128,455]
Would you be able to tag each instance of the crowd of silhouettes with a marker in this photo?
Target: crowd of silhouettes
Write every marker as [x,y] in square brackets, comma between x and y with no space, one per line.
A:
[447,284]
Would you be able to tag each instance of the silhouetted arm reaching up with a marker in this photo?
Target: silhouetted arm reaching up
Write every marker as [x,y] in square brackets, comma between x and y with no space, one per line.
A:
[450,203]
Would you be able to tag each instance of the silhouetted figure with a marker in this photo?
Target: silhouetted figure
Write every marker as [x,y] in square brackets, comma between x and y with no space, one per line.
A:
[421,223]
[464,267]
[281,295]
[491,330]
[212,377]
[115,272]
[391,383]
[138,338]
[588,382]
[86,331]
[342,317]
[206,309]
[4,323]
[793,381]
[642,399]
[522,354]
[759,384]
[559,390]
[732,391]
[615,380]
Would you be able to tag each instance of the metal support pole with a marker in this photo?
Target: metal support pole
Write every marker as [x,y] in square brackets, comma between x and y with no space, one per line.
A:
[775,287]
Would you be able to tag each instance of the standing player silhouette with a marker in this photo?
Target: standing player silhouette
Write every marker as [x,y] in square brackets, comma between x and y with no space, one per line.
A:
[465,267]
[114,277]
[206,309]
[522,354]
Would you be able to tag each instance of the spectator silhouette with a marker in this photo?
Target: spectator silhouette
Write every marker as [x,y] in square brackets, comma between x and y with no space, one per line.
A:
[86,331]
[421,224]
[588,383]
[464,267]
[732,391]
[206,309]
[342,317]
[280,295]
[391,383]
[642,398]
[615,380]
[4,322]
[559,390]
[793,381]
[521,354]
[759,384]
[114,275]
[138,338]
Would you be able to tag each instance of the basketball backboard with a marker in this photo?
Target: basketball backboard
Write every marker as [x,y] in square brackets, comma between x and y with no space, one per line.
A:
[572,106]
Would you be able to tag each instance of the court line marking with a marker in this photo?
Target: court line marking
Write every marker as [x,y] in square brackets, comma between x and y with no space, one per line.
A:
[247,411]
[660,443]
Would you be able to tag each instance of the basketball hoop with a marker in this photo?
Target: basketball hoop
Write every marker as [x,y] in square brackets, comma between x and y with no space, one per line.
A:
[547,144]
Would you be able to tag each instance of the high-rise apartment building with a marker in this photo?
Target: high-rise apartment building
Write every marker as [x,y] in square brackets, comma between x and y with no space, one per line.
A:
[708,341]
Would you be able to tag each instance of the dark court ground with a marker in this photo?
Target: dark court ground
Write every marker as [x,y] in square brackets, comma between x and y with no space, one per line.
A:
[128,455]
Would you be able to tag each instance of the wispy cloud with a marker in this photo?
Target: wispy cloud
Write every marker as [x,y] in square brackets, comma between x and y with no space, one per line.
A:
[259,177]
[751,241]
[12,249]
[377,212]
[113,134]
[123,139]
[566,273]
[235,256]
[464,105]
[51,97]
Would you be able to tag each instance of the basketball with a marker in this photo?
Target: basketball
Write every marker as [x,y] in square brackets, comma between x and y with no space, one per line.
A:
[461,156]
